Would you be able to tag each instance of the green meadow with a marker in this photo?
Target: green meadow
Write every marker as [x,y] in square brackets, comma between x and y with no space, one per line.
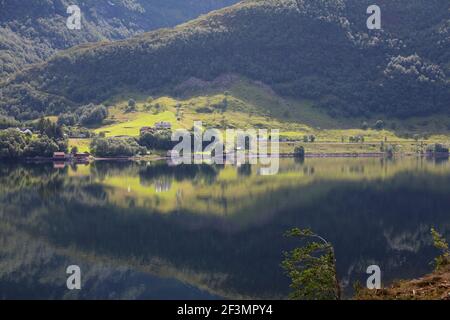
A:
[245,105]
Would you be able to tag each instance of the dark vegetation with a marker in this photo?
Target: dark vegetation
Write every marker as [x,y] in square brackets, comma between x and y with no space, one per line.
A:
[269,282]
[8,122]
[33,30]
[311,268]
[439,242]
[15,144]
[299,152]
[160,140]
[89,115]
[116,147]
[320,50]
[438,148]
[129,147]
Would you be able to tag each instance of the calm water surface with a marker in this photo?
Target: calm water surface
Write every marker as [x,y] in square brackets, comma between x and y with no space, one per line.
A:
[154,231]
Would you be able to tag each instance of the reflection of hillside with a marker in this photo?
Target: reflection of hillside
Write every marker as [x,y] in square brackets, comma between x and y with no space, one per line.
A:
[378,216]
[31,268]
[227,191]
[14,178]
[408,241]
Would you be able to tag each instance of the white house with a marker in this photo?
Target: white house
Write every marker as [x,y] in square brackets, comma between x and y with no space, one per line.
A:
[163,125]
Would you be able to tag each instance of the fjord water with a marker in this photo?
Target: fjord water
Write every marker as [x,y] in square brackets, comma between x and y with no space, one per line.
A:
[155,231]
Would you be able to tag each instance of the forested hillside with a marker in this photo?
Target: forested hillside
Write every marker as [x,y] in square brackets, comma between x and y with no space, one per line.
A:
[32,30]
[319,50]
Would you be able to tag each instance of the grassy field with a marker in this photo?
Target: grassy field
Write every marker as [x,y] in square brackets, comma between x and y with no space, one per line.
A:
[245,105]
[349,148]
[134,122]
[81,144]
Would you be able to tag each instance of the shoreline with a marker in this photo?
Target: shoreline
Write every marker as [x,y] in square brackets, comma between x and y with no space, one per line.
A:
[280,156]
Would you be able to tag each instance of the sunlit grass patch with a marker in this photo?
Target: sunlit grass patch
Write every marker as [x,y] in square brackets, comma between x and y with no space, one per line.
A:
[132,128]
[254,105]
[81,144]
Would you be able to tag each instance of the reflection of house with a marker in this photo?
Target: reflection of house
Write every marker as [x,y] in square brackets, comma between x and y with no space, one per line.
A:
[59,156]
[59,165]
[163,185]
[81,157]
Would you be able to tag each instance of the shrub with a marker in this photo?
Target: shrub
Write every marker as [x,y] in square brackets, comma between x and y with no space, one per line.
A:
[379,125]
[160,140]
[131,106]
[93,115]
[41,147]
[299,152]
[12,144]
[204,110]
[115,147]
[364,125]
[440,243]
[67,119]
[311,268]
[7,122]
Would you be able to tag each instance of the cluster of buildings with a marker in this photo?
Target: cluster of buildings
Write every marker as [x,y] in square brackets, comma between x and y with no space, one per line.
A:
[163,125]
[80,157]
[84,157]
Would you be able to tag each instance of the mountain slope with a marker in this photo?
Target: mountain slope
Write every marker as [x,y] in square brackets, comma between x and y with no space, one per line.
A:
[319,50]
[33,30]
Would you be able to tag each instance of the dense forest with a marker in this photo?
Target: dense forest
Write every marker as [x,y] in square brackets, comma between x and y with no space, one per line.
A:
[319,50]
[33,30]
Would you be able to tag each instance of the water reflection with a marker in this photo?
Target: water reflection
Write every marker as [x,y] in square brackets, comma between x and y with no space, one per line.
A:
[150,230]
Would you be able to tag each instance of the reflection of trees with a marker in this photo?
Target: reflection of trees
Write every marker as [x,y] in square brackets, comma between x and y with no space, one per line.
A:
[154,172]
[31,268]
[245,170]
[357,169]
[15,177]
[442,160]
[299,160]
[309,170]
[101,169]
[163,185]
[365,221]
[88,225]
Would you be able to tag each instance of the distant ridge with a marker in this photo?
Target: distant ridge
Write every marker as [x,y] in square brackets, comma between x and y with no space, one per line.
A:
[33,30]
